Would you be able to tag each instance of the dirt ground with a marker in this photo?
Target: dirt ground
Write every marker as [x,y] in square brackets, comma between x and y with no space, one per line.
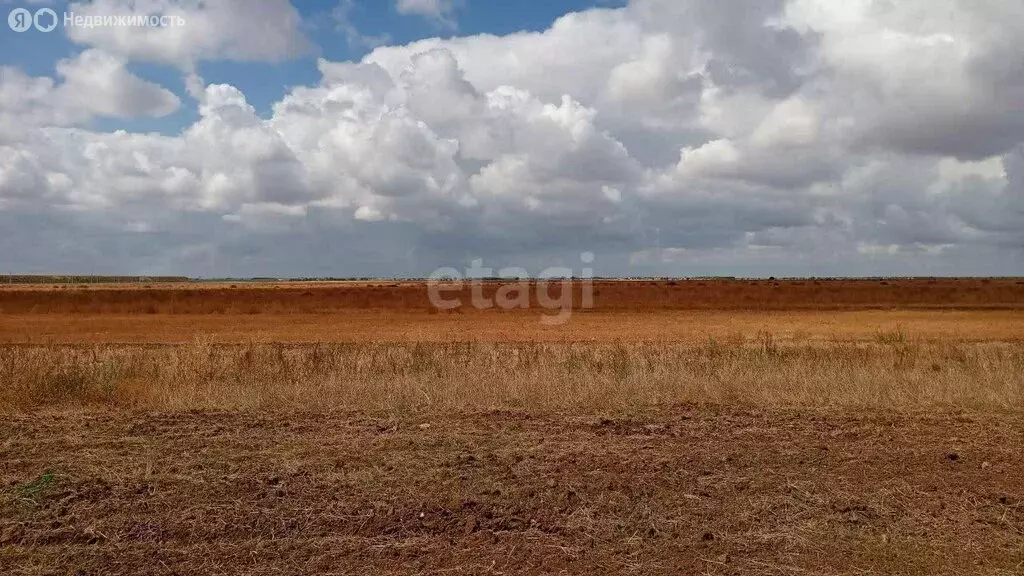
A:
[689,490]
[717,490]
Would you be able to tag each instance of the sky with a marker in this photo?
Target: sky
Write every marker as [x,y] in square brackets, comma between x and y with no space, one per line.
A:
[396,137]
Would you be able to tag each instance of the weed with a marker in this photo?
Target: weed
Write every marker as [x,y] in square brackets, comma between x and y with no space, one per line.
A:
[35,490]
[891,337]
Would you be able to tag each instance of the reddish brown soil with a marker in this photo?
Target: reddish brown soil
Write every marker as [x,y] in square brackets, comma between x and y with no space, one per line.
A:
[608,296]
[681,491]
[686,310]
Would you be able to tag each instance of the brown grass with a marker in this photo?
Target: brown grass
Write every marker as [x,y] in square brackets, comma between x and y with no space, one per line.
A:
[892,373]
[686,326]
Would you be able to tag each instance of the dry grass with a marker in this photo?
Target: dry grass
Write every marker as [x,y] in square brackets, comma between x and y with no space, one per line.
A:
[693,327]
[893,373]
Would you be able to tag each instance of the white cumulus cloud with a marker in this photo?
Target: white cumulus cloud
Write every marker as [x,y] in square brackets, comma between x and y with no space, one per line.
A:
[777,137]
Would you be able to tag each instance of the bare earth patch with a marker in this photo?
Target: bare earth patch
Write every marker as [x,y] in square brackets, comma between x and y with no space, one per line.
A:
[685,490]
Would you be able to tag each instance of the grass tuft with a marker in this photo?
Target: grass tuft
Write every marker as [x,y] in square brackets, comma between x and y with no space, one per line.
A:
[891,337]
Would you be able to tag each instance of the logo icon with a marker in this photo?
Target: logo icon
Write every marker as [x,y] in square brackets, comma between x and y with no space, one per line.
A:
[42,23]
[20,20]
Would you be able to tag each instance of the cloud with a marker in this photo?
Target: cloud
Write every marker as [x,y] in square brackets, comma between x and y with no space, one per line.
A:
[939,78]
[440,11]
[266,31]
[93,83]
[356,39]
[100,83]
[805,137]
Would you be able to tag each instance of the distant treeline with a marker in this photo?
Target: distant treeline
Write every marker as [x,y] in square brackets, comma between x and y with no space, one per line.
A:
[42,279]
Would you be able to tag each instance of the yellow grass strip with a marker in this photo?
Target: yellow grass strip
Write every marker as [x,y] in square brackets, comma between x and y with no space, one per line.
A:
[892,372]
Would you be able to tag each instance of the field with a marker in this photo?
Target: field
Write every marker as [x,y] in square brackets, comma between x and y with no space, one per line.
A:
[674,427]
